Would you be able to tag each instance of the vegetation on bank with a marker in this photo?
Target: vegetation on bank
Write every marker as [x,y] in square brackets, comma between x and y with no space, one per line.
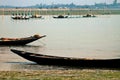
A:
[80,74]
[59,11]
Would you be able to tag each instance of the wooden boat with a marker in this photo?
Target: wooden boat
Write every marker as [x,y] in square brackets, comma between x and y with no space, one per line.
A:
[88,15]
[60,16]
[68,61]
[36,16]
[19,41]
[20,17]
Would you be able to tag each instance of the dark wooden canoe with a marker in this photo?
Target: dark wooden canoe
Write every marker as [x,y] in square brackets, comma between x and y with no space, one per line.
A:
[19,41]
[88,16]
[60,16]
[68,61]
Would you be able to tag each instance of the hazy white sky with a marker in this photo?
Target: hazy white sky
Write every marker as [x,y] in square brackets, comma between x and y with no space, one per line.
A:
[33,2]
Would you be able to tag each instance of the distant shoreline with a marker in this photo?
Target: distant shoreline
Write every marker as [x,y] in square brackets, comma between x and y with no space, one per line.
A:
[10,11]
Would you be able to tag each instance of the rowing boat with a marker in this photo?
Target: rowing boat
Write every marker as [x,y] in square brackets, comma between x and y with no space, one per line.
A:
[68,61]
[19,41]
[60,16]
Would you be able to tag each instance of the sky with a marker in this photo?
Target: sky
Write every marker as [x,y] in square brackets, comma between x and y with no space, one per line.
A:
[34,2]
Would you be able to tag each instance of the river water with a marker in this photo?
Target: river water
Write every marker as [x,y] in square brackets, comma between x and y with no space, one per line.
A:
[97,37]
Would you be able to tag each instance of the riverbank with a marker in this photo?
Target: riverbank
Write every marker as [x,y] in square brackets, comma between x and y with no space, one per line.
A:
[10,11]
[77,74]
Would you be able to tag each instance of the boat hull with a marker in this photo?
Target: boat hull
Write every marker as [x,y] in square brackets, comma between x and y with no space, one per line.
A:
[20,41]
[67,61]
[60,17]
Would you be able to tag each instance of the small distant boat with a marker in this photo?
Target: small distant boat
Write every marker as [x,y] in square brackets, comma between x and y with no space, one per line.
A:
[20,17]
[68,61]
[36,16]
[88,15]
[60,16]
[19,41]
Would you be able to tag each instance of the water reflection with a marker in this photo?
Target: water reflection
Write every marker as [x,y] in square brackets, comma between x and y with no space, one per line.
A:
[25,47]
[32,66]
[15,62]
